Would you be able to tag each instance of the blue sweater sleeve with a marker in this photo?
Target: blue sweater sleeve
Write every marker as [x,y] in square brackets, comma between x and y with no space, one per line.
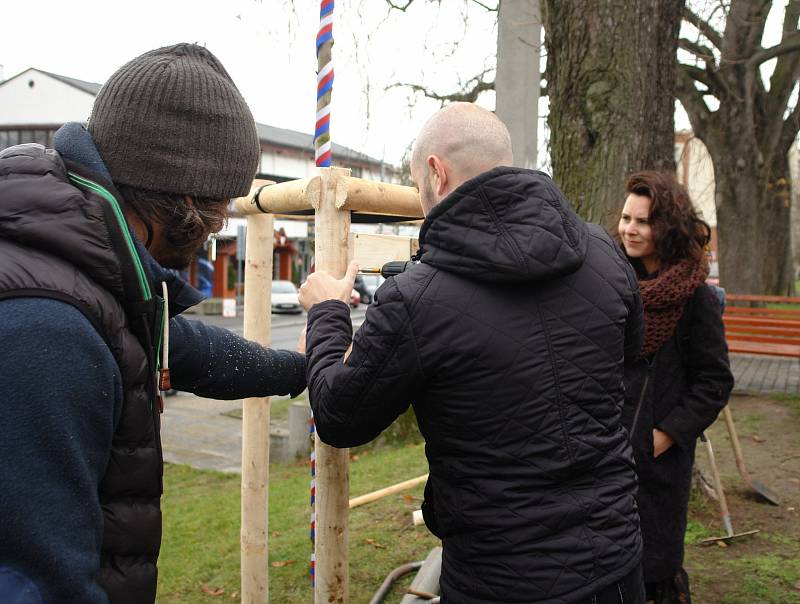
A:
[61,392]
[216,363]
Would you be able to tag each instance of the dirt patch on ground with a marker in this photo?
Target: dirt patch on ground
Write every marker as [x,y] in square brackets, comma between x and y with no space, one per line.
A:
[763,568]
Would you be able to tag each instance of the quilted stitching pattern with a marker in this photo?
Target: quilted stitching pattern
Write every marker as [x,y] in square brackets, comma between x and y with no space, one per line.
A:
[509,340]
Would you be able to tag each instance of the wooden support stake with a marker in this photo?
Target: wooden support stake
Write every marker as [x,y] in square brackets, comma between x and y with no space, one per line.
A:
[333,478]
[385,492]
[255,416]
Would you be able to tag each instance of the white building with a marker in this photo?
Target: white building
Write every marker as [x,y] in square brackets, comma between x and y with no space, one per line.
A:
[35,103]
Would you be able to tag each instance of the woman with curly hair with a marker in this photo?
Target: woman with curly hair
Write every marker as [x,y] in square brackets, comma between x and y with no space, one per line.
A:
[682,377]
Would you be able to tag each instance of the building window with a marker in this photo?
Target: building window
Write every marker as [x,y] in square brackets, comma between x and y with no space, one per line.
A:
[9,138]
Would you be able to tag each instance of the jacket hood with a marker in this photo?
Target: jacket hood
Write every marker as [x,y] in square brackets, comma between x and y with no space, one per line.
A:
[40,207]
[507,224]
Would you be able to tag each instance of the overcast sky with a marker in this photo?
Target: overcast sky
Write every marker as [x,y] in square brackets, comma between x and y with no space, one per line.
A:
[268,48]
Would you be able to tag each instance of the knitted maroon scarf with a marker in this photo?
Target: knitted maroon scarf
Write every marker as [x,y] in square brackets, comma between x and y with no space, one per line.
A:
[664,299]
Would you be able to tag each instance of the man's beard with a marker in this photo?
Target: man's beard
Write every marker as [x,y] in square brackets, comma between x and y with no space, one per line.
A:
[180,256]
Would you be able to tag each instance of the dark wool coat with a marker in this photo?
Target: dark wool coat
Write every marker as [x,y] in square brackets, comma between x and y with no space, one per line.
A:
[509,339]
[689,383]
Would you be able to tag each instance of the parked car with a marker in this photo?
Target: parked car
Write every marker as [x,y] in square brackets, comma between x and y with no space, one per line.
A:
[284,298]
[355,299]
[371,283]
[363,290]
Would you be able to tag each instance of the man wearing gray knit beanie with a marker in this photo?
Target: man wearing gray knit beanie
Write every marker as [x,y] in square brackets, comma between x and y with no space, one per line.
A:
[87,232]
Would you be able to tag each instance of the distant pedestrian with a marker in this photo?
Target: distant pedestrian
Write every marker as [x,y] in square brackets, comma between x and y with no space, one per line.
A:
[682,378]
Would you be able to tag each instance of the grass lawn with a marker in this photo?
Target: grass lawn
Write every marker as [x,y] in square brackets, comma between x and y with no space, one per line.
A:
[199,559]
[200,554]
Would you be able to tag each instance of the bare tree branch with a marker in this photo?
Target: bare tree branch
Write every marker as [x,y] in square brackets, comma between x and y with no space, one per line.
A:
[468,96]
[699,50]
[698,75]
[692,100]
[791,126]
[402,8]
[488,8]
[787,68]
[703,27]
[789,44]
[744,29]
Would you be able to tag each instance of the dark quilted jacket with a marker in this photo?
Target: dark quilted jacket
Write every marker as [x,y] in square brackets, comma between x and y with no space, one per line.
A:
[509,340]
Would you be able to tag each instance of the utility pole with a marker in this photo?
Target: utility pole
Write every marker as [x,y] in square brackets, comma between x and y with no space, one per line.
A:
[517,84]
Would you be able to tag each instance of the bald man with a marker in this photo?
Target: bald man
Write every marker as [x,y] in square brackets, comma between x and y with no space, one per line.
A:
[508,338]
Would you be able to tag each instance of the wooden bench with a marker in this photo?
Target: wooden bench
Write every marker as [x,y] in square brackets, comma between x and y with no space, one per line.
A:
[762,329]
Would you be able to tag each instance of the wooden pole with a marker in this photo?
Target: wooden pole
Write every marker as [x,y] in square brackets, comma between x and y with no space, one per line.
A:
[289,196]
[370,197]
[385,492]
[255,416]
[333,478]
[355,194]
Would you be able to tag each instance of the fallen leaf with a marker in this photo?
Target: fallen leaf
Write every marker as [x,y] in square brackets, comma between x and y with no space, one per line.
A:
[212,591]
[375,544]
[790,509]
[408,498]
[282,563]
[234,595]
[722,544]
[276,533]
[354,458]
[757,438]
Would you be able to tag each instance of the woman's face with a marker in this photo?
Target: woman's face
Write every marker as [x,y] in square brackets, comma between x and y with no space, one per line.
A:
[636,233]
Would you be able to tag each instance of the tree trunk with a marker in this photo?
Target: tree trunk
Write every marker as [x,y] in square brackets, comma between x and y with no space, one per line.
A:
[753,214]
[611,73]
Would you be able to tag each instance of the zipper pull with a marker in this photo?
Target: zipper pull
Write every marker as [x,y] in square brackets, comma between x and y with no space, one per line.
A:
[164,380]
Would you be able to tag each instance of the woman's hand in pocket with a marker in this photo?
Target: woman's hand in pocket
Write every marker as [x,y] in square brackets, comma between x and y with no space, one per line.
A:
[661,442]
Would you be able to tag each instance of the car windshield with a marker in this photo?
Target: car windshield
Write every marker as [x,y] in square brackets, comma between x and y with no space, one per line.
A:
[283,287]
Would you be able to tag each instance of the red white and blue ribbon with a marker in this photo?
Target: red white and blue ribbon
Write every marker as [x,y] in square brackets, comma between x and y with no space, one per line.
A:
[322,135]
[322,158]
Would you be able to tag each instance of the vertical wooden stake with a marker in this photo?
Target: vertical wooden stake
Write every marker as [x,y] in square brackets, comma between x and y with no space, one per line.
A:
[333,476]
[255,416]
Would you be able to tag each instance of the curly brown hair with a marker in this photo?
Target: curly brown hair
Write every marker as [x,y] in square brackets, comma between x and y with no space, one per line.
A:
[678,231]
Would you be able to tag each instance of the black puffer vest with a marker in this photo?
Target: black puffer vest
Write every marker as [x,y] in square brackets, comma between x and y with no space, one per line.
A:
[63,236]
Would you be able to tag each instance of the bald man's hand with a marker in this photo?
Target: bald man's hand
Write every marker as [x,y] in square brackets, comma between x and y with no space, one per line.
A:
[322,286]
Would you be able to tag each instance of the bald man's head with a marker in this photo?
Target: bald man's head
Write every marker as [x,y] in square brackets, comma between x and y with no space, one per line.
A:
[466,139]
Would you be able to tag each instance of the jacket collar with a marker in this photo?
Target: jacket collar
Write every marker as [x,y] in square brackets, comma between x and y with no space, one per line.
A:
[75,145]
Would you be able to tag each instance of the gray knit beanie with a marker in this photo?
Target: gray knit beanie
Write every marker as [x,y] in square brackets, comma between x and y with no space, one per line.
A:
[172,120]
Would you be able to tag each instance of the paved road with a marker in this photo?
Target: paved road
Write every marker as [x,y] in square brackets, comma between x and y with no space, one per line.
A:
[285,328]
[196,431]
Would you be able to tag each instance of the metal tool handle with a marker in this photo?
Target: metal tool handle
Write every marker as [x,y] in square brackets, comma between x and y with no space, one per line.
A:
[723,504]
[737,448]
